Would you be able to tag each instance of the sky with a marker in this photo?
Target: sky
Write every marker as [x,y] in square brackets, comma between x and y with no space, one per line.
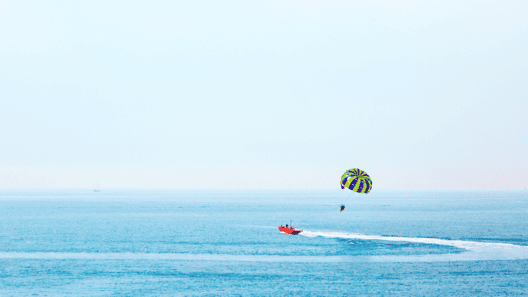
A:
[422,95]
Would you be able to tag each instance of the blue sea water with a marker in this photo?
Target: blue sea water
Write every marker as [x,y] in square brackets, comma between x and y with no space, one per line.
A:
[193,243]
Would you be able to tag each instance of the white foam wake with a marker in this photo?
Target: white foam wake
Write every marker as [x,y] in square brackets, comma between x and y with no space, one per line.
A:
[475,250]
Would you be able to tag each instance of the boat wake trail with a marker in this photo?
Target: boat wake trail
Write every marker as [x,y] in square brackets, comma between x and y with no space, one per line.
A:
[475,250]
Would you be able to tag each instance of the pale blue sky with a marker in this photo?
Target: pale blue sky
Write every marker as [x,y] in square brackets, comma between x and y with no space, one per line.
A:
[263,94]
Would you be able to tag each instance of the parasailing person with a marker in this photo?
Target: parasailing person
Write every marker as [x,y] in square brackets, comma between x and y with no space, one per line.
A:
[357,181]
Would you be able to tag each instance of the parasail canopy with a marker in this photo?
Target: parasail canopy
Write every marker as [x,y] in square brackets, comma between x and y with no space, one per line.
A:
[356,180]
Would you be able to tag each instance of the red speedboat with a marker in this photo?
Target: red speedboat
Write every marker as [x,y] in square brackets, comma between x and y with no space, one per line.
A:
[289,230]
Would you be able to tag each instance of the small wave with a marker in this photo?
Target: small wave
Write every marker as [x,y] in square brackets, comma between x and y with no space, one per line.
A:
[166,256]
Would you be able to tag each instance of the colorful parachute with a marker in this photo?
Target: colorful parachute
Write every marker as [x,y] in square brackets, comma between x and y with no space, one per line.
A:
[356,180]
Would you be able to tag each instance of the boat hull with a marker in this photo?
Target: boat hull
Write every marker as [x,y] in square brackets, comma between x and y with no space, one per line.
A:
[290,230]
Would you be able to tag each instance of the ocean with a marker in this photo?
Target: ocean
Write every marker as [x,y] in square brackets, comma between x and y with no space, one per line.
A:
[226,243]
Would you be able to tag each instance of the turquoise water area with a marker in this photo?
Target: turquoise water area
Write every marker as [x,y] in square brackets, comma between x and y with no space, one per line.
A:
[193,243]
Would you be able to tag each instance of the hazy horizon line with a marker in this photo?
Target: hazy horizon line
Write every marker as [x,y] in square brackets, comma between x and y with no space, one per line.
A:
[255,190]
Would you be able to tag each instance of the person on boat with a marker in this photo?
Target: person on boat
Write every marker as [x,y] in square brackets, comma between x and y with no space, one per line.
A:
[286,225]
[342,207]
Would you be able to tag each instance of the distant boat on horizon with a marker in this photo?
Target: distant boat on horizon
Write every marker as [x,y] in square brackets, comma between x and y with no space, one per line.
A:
[97,189]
